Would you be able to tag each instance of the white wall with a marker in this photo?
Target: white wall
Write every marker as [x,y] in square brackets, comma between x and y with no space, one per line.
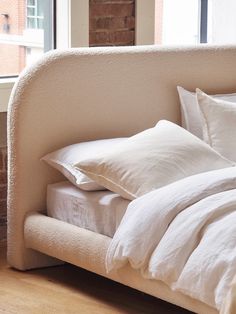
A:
[145,22]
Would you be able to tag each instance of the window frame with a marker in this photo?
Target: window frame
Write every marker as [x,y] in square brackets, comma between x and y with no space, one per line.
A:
[203,21]
[49,7]
[35,17]
[69,16]
[50,41]
[145,22]
[50,24]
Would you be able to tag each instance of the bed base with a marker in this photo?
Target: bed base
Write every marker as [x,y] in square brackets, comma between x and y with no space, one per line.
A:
[87,249]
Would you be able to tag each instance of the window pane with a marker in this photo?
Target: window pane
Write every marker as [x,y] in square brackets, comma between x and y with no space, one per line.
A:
[40,23]
[31,22]
[177,22]
[21,34]
[221,22]
[40,8]
[31,12]
[31,2]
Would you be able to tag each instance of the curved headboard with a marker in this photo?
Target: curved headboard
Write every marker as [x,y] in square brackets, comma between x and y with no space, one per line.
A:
[84,94]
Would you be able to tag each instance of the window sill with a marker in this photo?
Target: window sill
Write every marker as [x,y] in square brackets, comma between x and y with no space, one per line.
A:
[6,85]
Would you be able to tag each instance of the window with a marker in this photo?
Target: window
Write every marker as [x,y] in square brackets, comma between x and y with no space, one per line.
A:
[177,22]
[35,14]
[26,32]
[221,22]
[187,22]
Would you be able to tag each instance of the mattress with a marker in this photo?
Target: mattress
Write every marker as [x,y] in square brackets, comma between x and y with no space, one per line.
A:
[98,211]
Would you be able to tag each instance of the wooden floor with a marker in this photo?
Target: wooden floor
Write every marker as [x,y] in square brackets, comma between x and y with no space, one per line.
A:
[68,289]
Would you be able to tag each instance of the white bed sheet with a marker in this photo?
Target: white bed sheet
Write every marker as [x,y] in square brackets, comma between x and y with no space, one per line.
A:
[98,211]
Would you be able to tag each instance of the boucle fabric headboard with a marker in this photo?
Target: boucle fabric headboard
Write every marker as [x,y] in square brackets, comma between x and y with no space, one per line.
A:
[84,94]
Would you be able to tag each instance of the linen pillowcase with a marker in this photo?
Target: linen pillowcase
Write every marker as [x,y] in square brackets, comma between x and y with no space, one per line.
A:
[219,124]
[190,114]
[152,159]
[64,159]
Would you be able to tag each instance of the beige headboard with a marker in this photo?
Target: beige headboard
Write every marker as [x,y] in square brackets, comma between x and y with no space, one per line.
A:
[83,94]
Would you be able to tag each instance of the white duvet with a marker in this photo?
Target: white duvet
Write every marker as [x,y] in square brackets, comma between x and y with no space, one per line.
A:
[183,234]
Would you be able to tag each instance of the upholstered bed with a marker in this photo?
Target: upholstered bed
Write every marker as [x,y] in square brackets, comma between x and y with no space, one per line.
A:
[87,94]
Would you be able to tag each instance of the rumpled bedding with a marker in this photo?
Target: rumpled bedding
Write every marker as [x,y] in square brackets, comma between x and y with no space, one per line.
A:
[183,234]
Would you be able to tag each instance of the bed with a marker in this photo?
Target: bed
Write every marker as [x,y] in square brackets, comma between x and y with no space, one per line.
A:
[87,94]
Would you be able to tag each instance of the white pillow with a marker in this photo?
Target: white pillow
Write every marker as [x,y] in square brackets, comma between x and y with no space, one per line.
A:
[64,159]
[190,114]
[151,159]
[219,124]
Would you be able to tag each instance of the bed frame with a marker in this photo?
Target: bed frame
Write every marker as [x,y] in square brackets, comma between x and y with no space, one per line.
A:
[87,94]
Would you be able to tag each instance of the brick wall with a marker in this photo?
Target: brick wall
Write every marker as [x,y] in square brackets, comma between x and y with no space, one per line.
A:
[12,53]
[3,195]
[16,16]
[111,22]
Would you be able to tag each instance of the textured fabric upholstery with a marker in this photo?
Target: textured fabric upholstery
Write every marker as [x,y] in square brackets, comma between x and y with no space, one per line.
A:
[87,249]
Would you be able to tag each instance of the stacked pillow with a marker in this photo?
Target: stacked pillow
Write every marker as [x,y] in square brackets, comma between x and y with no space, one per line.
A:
[211,118]
[152,159]
[143,162]
[64,159]
[219,124]
[157,156]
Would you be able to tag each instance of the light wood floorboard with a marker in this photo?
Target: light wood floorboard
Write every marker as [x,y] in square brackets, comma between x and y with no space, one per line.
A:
[68,289]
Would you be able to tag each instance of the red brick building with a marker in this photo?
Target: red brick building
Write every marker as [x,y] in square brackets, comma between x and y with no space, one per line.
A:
[21,34]
[12,23]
